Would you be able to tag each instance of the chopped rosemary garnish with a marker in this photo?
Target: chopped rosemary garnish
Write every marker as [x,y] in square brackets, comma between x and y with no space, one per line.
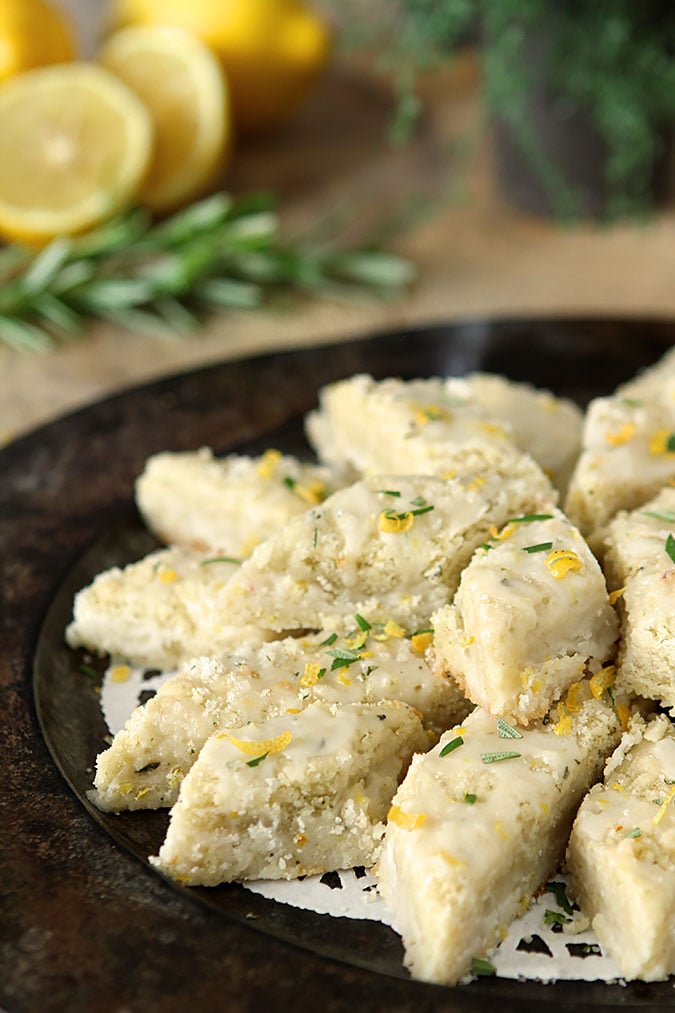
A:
[88,670]
[389,492]
[256,760]
[560,893]
[541,547]
[555,918]
[482,967]
[219,254]
[667,515]
[421,510]
[486,546]
[330,639]
[470,798]
[670,443]
[506,731]
[635,832]
[220,559]
[528,518]
[394,516]
[450,747]
[362,623]
[289,482]
[343,657]
[497,757]
[670,547]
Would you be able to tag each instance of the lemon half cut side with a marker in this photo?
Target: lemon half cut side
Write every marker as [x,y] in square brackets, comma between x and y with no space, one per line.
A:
[76,145]
[183,86]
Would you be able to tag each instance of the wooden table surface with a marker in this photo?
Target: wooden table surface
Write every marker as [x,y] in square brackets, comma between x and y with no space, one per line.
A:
[475,255]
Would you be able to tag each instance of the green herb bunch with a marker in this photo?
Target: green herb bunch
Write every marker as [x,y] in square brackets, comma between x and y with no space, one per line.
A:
[613,60]
[163,277]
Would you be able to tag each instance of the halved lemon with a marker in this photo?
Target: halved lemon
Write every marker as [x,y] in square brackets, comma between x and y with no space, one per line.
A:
[181,83]
[33,33]
[76,144]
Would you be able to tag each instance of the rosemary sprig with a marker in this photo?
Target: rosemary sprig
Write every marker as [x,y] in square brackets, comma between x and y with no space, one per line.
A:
[163,278]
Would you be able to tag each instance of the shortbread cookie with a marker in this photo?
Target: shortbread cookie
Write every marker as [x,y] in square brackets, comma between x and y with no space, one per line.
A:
[418,426]
[227,505]
[158,612]
[389,545]
[638,551]
[148,758]
[297,795]
[479,823]
[628,450]
[531,616]
[621,854]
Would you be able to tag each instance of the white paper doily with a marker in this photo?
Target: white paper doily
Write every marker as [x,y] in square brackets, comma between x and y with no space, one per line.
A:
[539,946]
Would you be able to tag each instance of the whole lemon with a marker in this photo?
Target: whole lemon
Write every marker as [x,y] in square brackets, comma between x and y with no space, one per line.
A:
[272,50]
[33,33]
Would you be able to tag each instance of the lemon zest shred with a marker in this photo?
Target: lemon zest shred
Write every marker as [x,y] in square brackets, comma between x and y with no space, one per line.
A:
[623,714]
[268,463]
[499,829]
[312,674]
[255,747]
[493,429]
[664,805]
[421,641]
[564,724]
[395,524]
[312,494]
[601,681]
[449,859]
[424,414]
[658,442]
[505,532]
[120,673]
[622,435]
[356,642]
[572,699]
[560,562]
[407,821]
[475,484]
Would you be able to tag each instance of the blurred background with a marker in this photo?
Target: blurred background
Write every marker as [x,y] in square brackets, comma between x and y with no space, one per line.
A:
[387,163]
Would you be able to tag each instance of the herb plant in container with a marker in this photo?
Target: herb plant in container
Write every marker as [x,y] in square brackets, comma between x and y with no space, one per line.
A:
[580,94]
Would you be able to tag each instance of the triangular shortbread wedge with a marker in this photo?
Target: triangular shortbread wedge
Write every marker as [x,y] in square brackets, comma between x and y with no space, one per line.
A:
[159,611]
[227,504]
[638,552]
[393,545]
[418,426]
[478,825]
[621,854]
[628,451]
[143,767]
[531,617]
[298,795]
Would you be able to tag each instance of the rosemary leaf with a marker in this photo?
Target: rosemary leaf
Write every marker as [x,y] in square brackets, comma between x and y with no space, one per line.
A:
[160,278]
